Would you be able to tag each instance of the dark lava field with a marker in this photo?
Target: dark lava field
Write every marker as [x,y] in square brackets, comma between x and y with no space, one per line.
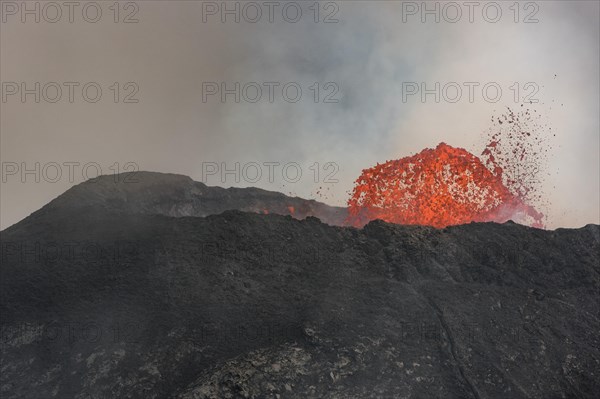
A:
[167,288]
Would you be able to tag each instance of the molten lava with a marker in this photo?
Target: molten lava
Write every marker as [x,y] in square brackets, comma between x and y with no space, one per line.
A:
[437,187]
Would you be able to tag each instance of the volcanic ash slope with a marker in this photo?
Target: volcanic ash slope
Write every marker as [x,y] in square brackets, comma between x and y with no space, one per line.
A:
[146,302]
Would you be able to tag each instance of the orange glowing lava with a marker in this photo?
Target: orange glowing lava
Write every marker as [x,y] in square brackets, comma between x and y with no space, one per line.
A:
[437,187]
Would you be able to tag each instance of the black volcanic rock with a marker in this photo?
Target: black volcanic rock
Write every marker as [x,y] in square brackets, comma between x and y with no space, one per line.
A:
[177,195]
[105,300]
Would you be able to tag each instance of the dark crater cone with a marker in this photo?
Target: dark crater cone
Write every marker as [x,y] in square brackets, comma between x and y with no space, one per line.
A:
[178,195]
[122,291]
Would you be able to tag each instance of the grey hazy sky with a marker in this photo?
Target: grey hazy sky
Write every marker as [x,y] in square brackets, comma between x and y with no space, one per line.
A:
[367,54]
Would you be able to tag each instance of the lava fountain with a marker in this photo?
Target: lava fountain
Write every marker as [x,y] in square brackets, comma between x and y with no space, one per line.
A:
[447,186]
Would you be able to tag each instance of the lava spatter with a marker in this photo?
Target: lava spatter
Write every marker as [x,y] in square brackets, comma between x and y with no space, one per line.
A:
[517,150]
[448,186]
[436,187]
